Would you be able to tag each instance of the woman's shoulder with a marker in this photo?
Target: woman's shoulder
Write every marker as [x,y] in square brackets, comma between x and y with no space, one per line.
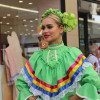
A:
[72,53]
[74,50]
[36,54]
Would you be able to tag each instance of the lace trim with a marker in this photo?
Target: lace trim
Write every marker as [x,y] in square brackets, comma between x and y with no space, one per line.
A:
[28,97]
[61,94]
[56,46]
[26,78]
[86,64]
[83,97]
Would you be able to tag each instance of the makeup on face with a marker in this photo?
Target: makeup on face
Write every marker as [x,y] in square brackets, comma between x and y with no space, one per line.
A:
[45,28]
[50,30]
[48,26]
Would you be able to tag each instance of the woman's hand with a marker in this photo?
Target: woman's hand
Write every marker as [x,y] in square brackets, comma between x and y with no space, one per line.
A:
[32,98]
[75,97]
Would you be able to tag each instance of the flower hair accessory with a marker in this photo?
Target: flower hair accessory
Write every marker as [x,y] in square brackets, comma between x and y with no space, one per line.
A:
[69,21]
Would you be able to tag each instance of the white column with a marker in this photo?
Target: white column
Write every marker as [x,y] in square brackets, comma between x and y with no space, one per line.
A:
[73,36]
[1,89]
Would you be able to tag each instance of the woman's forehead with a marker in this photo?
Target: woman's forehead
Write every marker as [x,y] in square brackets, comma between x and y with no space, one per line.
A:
[48,20]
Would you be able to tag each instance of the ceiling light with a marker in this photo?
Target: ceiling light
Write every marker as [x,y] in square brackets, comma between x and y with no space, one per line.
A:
[4,17]
[17,8]
[20,1]
[24,20]
[5,32]
[25,25]
[31,26]
[0,22]
[11,28]
[16,16]
[30,3]
[8,14]
[7,23]
[29,33]
[31,20]
[25,34]
[36,18]
[32,30]
[26,29]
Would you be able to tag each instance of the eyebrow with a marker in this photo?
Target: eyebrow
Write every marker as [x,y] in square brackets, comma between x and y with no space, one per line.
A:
[47,25]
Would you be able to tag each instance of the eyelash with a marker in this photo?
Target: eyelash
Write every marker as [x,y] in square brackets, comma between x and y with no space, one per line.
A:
[49,27]
[43,28]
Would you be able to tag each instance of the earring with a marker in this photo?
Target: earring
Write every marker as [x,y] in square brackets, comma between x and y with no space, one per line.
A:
[43,44]
[59,41]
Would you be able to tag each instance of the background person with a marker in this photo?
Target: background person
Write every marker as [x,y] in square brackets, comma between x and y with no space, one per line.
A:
[99,61]
[53,73]
[93,56]
[42,43]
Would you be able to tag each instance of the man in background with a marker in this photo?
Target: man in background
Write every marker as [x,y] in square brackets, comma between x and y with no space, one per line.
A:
[93,56]
[42,43]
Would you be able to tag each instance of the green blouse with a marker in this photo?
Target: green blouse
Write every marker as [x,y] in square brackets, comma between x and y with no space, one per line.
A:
[57,73]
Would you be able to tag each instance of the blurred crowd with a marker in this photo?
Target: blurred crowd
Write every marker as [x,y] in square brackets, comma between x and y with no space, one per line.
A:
[94,57]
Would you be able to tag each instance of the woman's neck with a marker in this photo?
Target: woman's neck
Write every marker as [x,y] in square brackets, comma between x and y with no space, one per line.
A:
[58,41]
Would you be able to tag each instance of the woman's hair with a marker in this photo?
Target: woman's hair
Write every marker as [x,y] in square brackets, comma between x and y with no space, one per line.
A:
[68,20]
[55,18]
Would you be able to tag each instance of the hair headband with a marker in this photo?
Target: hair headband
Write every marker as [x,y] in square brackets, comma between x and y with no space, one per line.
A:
[69,21]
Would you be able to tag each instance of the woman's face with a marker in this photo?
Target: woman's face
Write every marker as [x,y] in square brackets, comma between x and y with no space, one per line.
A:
[51,31]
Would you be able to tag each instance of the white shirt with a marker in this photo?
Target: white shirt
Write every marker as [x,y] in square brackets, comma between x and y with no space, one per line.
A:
[93,60]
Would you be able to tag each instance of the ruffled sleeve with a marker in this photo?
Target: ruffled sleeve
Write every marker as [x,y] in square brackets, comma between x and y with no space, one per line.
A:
[23,89]
[90,81]
[90,84]
[25,80]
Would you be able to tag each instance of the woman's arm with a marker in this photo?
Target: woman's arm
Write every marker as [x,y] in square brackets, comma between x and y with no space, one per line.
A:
[75,97]
[33,98]
[23,89]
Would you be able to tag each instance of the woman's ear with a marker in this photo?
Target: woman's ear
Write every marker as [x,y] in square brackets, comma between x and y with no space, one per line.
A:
[61,29]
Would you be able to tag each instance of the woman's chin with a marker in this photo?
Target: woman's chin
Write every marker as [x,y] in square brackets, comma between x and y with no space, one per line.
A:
[47,39]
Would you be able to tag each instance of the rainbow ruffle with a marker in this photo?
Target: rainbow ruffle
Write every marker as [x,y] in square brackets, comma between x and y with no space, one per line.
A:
[62,84]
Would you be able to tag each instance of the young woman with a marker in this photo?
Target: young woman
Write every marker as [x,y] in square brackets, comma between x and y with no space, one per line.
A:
[54,73]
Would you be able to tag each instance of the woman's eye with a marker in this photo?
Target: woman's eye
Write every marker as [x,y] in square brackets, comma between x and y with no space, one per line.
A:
[49,27]
[43,27]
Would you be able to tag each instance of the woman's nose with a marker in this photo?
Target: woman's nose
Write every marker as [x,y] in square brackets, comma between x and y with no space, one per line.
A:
[45,30]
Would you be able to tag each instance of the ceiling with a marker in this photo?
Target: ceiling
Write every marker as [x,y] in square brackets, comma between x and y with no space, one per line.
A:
[22,5]
[22,21]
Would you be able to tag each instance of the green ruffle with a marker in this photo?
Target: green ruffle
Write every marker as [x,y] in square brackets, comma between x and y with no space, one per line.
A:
[23,88]
[88,91]
[54,70]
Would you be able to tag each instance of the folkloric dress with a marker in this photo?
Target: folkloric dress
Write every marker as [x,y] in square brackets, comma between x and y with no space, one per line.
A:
[55,73]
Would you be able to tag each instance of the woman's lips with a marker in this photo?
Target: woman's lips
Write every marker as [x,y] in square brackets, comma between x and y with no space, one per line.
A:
[46,35]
